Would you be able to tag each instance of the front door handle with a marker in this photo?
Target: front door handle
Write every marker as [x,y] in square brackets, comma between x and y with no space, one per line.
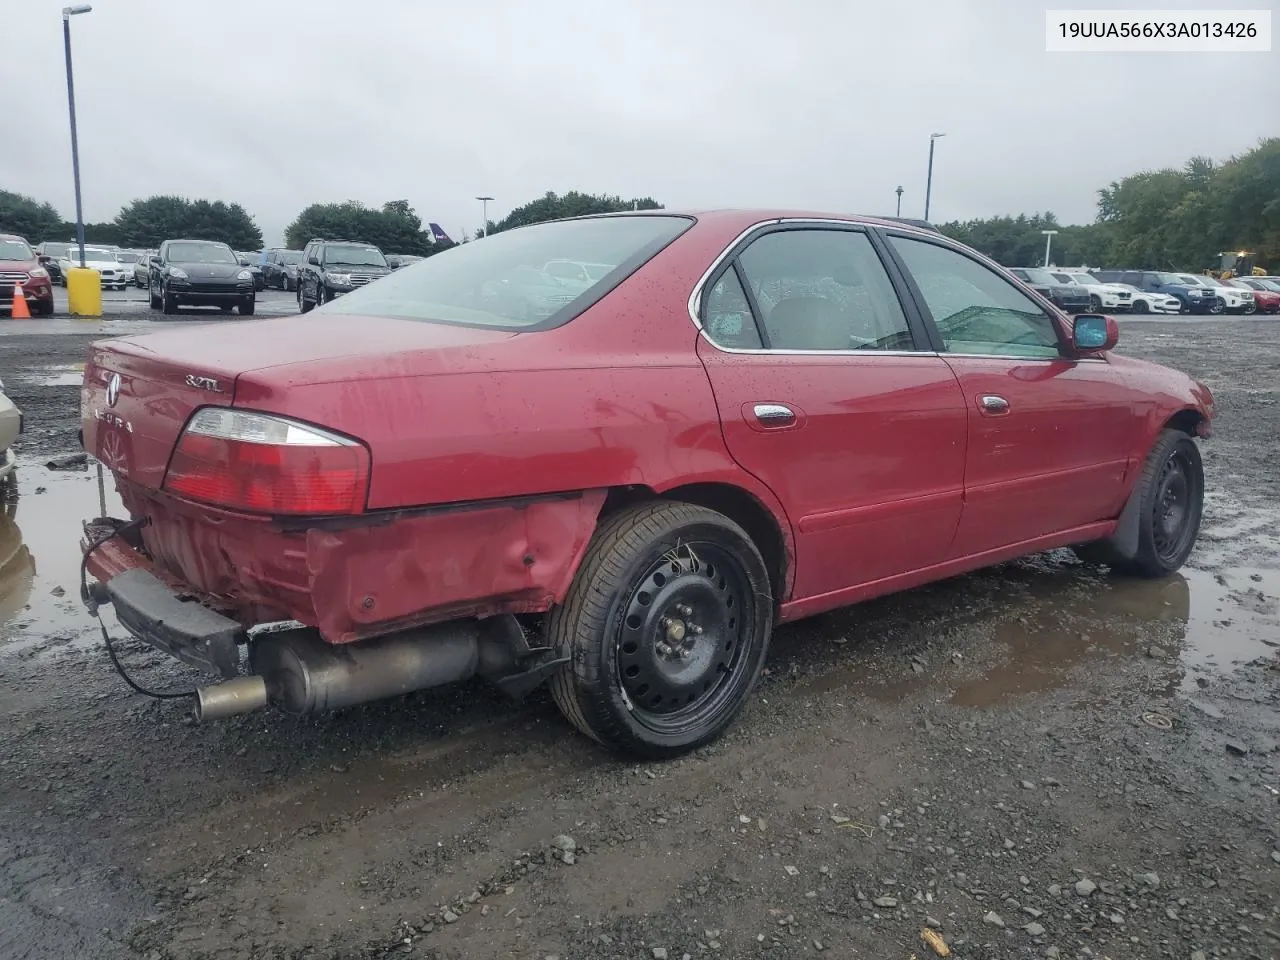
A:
[774,414]
[993,403]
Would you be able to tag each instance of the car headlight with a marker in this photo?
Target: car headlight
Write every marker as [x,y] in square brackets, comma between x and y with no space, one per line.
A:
[244,275]
[344,279]
[177,273]
[37,273]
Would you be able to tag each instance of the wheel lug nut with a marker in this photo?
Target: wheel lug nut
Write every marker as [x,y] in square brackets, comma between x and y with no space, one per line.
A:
[695,628]
[684,610]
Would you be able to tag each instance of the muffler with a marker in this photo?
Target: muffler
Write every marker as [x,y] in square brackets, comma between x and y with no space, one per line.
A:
[300,673]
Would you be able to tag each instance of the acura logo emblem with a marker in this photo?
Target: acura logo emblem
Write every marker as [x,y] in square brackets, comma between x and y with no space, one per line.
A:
[113,390]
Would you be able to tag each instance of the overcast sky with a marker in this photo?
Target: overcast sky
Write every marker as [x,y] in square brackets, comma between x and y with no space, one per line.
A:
[818,104]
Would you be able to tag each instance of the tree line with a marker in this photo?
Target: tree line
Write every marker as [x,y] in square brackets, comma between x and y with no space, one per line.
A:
[1173,219]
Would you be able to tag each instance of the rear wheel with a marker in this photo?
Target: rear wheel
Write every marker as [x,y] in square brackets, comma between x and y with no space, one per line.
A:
[1095,303]
[303,305]
[667,624]
[1171,491]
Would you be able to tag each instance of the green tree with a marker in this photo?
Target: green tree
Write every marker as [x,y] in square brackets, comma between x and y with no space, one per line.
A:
[148,223]
[28,218]
[551,206]
[396,228]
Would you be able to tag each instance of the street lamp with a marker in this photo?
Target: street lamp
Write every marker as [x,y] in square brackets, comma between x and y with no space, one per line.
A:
[899,193]
[67,14]
[928,187]
[1048,242]
[484,206]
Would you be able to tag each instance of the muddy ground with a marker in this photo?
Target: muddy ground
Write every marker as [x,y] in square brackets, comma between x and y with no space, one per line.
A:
[1038,760]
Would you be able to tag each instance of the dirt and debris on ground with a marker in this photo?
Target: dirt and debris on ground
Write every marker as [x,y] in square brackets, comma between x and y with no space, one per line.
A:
[1037,760]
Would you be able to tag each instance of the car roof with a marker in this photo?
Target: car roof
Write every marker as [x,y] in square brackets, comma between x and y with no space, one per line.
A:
[748,217]
[12,236]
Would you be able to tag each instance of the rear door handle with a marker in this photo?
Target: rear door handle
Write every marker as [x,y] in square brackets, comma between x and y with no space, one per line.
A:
[774,414]
[993,404]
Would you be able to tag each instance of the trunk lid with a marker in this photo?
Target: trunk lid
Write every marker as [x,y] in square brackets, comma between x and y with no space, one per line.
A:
[139,392]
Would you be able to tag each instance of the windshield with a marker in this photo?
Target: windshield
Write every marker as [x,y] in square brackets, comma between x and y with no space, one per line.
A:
[15,250]
[1040,276]
[1172,278]
[94,254]
[125,257]
[290,256]
[353,255]
[1271,285]
[1194,281]
[498,281]
[57,250]
[201,253]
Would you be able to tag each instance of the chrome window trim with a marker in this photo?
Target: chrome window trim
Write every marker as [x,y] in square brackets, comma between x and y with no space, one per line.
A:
[695,306]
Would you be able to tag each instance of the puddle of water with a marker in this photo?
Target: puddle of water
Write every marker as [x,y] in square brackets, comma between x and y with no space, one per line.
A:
[40,557]
[59,375]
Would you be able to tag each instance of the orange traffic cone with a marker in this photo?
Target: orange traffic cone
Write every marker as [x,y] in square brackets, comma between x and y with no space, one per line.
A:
[20,310]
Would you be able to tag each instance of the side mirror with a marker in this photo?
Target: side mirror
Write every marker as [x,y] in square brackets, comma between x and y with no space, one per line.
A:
[313,260]
[1093,332]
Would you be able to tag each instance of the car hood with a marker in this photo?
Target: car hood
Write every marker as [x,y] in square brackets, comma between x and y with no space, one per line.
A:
[11,266]
[210,271]
[358,268]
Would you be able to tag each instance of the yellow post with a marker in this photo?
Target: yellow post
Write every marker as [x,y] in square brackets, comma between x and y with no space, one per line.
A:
[84,292]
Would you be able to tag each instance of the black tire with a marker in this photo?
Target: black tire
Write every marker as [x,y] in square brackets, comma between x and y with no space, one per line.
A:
[1171,487]
[322,295]
[1095,303]
[153,297]
[43,308]
[1140,306]
[246,307]
[169,303]
[1250,308]
[304,305]
[1218,307]
[667,624]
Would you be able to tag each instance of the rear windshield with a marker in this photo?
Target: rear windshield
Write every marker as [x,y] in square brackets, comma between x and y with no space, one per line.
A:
[499,281]
[201,253]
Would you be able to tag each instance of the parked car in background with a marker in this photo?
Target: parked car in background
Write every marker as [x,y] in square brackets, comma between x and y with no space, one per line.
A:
[280,268]
[111,271]
[397,260]
[1141,301]
[756,416]
[576,272]
[331,268]
[1067,296]
[50,255]
[1102,296]
[250,260]
[1233,299]
[142,268]
[201,273]
[130,260]
[1266,293]
[19,264]
[1193,297]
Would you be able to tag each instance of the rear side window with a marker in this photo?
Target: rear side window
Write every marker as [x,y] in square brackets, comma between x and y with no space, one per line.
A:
[726,315]
[501,280]
[824,290]
[975,309]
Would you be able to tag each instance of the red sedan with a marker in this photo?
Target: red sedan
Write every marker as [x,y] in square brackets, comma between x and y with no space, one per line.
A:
[620,482]
[1266,293]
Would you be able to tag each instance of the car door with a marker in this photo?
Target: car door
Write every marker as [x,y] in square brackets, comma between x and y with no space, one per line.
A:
[825,397]
[1050,433]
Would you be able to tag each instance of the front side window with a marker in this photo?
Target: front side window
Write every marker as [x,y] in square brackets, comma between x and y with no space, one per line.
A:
[824,290]
[500,280]
[975,309]
[726,315]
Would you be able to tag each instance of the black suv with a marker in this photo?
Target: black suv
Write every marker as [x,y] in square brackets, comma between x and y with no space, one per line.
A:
[331,268]
[200,273]
[1065,296]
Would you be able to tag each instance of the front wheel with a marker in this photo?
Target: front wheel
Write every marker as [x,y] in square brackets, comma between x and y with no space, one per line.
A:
[246,307]
[153,296]
[1095,303]
[1250,308]
[1218,307]
[1140,306]
[169,302]
[1171,503]
[666,624]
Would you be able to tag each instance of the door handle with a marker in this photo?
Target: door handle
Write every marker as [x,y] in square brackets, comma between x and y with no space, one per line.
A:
[774,414]
[992,403]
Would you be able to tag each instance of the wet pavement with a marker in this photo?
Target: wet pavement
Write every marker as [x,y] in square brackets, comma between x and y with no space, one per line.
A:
[972,749]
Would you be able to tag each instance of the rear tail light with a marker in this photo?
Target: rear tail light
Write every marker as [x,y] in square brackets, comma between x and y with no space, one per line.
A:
[261,463]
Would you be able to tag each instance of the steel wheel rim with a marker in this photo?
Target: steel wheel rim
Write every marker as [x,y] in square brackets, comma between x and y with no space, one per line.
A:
[683,636]
[1173,507]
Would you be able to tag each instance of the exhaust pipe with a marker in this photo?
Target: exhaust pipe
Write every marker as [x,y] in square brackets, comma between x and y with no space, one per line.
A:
[299,672]
[223,700]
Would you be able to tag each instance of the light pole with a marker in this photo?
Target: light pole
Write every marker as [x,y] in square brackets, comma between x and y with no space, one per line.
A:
[484,206]
[1048,242]
[928,186]
[899,193]
[67,14]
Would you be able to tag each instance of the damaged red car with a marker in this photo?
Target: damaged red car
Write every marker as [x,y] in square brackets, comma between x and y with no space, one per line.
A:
[616,480]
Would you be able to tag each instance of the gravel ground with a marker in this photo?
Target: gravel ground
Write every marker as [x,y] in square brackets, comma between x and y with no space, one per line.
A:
[1037,760]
